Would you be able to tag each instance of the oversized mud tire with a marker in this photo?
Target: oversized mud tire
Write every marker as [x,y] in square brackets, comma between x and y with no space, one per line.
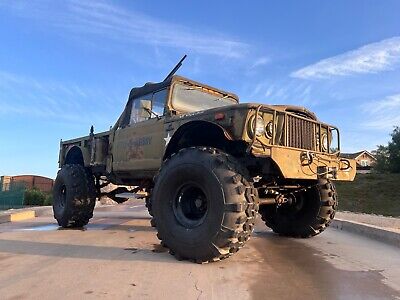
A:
[311,214]
[150,209]
[74,196]
[148,205]
[203,205]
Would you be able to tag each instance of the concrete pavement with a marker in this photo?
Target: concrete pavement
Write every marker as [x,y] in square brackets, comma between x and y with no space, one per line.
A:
[119,257]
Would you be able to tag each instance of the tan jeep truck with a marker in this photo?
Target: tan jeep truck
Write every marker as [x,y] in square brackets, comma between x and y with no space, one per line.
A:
[206,165]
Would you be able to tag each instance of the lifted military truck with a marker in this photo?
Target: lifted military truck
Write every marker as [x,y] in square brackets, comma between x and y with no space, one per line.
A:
[206,165]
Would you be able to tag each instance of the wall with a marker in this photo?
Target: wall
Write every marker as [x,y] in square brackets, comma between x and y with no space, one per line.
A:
[30,181]
[365,157]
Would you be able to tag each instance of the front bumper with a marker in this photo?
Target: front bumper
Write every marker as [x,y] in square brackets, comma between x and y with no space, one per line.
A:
[303,164]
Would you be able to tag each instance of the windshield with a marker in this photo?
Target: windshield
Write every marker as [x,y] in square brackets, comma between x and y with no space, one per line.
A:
[187,97]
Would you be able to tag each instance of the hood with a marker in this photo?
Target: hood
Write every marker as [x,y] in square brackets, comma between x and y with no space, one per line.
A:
[298,110]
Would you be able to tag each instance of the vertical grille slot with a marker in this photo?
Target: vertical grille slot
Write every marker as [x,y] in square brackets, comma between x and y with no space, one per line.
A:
[301,133]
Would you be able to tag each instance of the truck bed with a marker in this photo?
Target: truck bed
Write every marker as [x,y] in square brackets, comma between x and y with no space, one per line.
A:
[93,148]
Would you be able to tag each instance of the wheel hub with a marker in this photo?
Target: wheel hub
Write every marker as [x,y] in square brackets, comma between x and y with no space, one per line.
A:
[190,205]
[198,202]
[291,202]
[288,199]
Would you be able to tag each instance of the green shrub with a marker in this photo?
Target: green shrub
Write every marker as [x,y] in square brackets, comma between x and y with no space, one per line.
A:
[49,200]
[35,197]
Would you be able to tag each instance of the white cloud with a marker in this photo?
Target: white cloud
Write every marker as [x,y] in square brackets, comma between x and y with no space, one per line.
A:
[269,91]
[382,114]
[261,61]
[282,92]
[48,99]
[384,105]
[385,123]
[106,20]
[371,58]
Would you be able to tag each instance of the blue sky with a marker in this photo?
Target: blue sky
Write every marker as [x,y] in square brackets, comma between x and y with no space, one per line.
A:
[65,65]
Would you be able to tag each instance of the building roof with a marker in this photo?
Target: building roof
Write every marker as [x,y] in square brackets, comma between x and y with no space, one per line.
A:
[351,155]
[357,154]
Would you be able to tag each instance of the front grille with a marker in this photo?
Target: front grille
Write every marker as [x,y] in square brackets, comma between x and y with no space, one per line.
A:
[300,133]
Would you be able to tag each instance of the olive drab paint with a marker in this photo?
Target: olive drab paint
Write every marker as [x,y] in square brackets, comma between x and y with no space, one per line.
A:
[291,137]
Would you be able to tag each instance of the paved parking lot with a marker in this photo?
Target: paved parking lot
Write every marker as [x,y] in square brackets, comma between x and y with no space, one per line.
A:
[118,256]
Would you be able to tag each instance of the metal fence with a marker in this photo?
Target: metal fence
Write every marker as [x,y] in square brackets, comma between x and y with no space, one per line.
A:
[12,196]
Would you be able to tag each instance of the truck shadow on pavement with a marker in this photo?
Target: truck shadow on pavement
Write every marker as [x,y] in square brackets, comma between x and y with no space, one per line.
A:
[84,251]
[136,236]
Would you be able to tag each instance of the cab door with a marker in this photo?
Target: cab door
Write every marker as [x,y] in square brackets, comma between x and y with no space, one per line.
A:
[139,145]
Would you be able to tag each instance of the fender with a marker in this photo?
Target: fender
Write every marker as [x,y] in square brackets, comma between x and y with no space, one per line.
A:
[76,155]
[196,131]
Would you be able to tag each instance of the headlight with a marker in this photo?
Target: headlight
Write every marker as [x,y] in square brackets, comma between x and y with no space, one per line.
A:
[324,142]
[269,129]
[259,125]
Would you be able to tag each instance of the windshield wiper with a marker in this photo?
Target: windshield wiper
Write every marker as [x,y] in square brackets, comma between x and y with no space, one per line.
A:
[152,113]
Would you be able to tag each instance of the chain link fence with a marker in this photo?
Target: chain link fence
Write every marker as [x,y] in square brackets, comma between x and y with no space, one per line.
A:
[12,195]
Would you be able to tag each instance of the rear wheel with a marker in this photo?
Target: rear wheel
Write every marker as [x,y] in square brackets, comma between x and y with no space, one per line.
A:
[307,213]
[203,206]
[74,196]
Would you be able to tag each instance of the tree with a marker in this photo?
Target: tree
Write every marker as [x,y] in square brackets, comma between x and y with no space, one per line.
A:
[382,159]
[394,151]
[388,157]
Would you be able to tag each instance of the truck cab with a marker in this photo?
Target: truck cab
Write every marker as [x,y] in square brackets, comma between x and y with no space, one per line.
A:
[152,115]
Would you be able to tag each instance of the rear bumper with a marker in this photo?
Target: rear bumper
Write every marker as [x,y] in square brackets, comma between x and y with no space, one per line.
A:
[303,164]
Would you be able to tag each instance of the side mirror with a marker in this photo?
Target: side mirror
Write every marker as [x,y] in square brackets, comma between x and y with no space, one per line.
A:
[145,109]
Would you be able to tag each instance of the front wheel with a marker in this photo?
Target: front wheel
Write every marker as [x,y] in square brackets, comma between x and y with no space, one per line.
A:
[203,206]
[74,196]
[308,213]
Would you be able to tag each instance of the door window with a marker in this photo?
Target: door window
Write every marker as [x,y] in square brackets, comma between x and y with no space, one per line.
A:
[157,106]
[159,102]
[137,114]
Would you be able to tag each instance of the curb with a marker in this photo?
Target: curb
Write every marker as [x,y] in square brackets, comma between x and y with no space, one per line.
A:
[370,231]
[23,214]
[18,216]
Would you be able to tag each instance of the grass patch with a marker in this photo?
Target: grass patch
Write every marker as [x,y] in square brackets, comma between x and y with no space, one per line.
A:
[371,193]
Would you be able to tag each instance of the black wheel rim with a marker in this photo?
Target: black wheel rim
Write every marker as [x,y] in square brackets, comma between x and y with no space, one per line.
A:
[190,205]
